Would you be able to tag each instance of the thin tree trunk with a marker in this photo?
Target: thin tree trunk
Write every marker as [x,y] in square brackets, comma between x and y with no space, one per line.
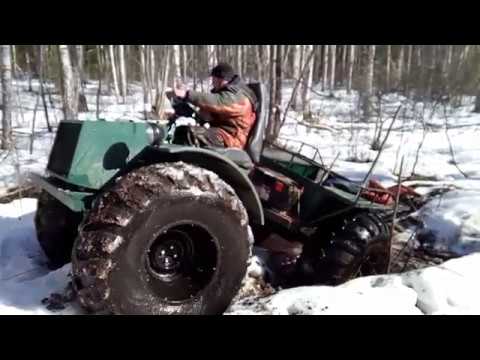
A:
[325,67]
[76,59]
[69,88]
[351,62]
[6,73]
[278,88]
[307,81]
[14,61]
[238,59]
[296,72]
[368,100]
[273,106]
[143,75]
[100,67]
[32,135]
[80,58]
[287,50]
[212,56]
[408,69]
[29,69]
[114,71]
[389,55]
[344,64]
[152,71]
[245,61]
[333,58]
[123,73]
[258,61]
[447,62]
[400,67]
[160,100]
[176,63]
[42,89]
[183,48]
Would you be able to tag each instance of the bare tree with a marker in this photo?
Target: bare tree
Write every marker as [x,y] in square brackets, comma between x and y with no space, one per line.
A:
[307,81]
[400,66]
[162,83]
[177,73]
[143,75]
[238,59]
[408,69]
[42,87]
[111,52]
[28,60]
[273,109]
[367,98]
[69,84]
[325,68]
[123,73]
[296,72]
[76,60]
[212,56]
[6,72]
[344,63]
[333,59]
[388,60]
[351,62]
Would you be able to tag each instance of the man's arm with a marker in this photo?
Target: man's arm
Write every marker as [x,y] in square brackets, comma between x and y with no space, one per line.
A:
[226,103]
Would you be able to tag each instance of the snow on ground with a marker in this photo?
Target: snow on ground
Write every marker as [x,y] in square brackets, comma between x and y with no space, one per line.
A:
[449,289]
[452,220]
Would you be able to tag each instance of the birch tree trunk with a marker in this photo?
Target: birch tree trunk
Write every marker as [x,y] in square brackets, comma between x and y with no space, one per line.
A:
[325,67]
[296,72]
[176,63]
[307,80]
[238,59]
[212,56]
[14,61]
[400,67]
[143,75]
[123,72]
[272,108]
[387,75]
[161,85]
[408,70]
[367,96]
[41,58]
[111,52]
[351,62]
[6,73]
[69,85]
[333,58]
[278,88]
[185,61]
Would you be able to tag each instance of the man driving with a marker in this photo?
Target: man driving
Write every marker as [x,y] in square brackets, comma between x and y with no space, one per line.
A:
[229,110]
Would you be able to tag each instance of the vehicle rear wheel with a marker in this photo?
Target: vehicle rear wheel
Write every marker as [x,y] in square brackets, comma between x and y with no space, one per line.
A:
[56,227]
[358,246]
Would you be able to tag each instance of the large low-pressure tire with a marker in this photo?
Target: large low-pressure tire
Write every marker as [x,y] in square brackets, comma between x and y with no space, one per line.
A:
[358,246]
[56,227]
[169,238]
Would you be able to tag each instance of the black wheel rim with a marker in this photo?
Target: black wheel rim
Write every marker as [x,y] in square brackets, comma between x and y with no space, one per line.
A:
[181,262]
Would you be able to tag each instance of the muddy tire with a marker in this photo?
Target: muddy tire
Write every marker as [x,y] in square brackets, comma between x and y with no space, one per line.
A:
[357,246]
[56,227]
[165,239]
